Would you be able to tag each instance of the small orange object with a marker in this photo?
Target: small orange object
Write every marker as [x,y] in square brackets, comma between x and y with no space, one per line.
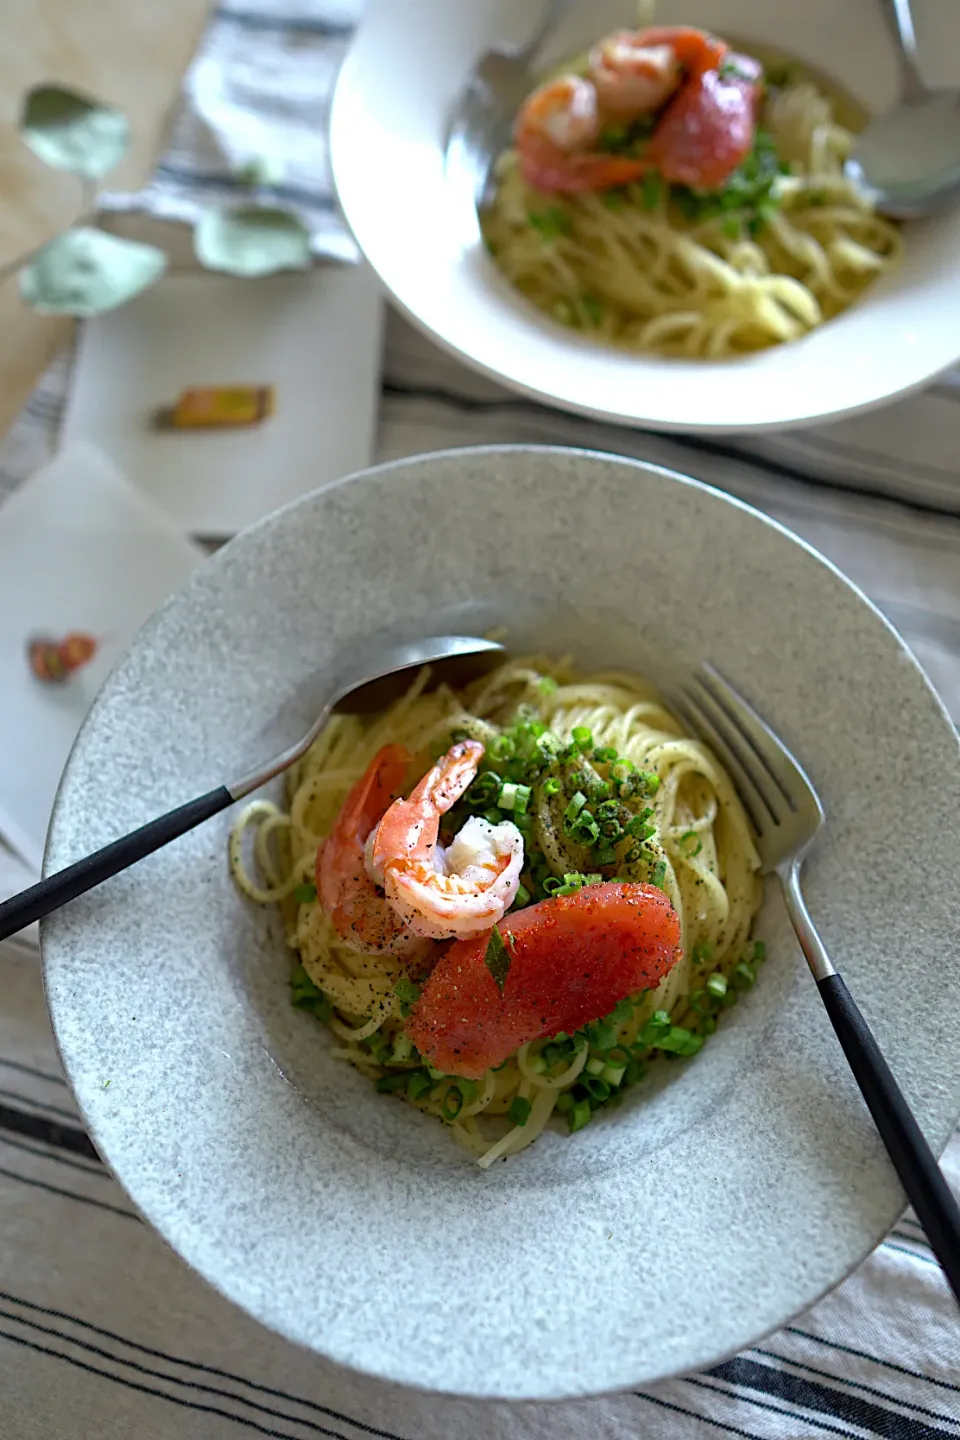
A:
[218,407]
[55,661]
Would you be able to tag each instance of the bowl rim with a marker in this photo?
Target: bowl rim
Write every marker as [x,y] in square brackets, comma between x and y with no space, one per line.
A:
[104,1127]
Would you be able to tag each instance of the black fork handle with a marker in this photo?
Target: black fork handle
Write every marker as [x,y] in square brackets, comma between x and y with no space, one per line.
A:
[914,1161]
[56,890]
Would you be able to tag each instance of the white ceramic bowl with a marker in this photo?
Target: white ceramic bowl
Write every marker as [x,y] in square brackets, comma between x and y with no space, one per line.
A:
[392,101]
[724,1196]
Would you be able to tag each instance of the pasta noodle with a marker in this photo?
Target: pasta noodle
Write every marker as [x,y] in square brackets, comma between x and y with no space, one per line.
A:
[700,847]
[663,270]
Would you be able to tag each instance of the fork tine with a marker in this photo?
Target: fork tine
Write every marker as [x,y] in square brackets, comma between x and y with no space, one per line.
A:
[770,751]
[695,717]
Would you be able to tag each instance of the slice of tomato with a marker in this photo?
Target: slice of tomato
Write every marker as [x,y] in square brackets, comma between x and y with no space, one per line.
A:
[570,959]
[707,130]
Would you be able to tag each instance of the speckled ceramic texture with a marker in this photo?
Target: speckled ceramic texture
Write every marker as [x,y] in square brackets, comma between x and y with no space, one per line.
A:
[723,1198]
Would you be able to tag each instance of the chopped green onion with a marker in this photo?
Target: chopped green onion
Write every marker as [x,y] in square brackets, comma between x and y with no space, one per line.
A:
[522,897]
[594,312]
[744,975]
[551,223]
[579,1116]
[702,952]
[658,873]
[709,1025]
[685,844]
[651,189]
[575,806]
[622,1012]
[551,786]
[537,1063]
[613,199]
[581,737]
[595,1066]
[657,1026]
[493,817]
[731,998]
[732,228]
[552,885]
[418,1084]
[586,829]
[759,952]
[305,892]
[406,991]
[547,685]
[515,798]
[436,1074]
[601,1035]
[613,1074]
[605,755]
[452,1103]
[565,1102]
[636,1070]
[699,1001]
[596,1088]
[399,1081]
[680,1041]
[717,984]
[519,1112]
[402,1051]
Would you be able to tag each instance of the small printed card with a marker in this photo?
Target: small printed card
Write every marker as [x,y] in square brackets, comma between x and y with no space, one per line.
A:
[84,561]
[222,399]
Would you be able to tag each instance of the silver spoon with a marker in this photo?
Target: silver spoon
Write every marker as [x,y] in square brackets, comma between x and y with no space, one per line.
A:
[485,108]
[360,671]
[909,158]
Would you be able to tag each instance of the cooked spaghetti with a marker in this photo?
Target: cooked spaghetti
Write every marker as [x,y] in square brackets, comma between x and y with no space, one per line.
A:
[601,783]
[622,224]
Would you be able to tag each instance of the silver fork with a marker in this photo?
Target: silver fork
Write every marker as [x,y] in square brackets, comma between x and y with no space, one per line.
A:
[787,815]
[485,108]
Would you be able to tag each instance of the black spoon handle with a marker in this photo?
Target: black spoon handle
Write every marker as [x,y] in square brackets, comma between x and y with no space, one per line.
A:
[914,1161]
[47,895]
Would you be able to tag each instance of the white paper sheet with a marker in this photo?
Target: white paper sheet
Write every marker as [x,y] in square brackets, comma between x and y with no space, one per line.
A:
[80,550]
[316,338]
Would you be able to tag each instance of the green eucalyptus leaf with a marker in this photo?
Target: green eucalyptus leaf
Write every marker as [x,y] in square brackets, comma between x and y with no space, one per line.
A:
[70,132]
[251,240]
[85,271]
[260,170]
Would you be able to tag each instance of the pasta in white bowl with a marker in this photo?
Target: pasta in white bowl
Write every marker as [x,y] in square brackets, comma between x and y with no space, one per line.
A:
[665,308]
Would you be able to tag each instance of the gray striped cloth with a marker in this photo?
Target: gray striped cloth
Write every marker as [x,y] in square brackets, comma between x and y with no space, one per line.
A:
[104,1335]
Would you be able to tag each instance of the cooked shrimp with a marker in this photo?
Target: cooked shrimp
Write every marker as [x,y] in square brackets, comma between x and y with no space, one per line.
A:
[632,77]
[452,893]
[358,909]
[553,133]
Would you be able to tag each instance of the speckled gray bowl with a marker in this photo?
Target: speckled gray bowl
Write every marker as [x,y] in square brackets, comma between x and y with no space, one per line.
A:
[722,1200]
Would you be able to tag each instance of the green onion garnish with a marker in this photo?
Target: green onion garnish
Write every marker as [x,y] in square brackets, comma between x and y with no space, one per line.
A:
[406,991]
[717,984]
[759,952]
[551,223]
[452,1103]
[744,975]
[519,1112]
[686,843]
[399,1081]
[547,685]
[418,1084]
[582,737]
[565,1102]
[305,892]
[579,1116]
[576,804]
[522,897]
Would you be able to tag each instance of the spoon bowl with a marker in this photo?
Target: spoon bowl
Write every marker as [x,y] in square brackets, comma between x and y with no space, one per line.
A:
[908,159]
